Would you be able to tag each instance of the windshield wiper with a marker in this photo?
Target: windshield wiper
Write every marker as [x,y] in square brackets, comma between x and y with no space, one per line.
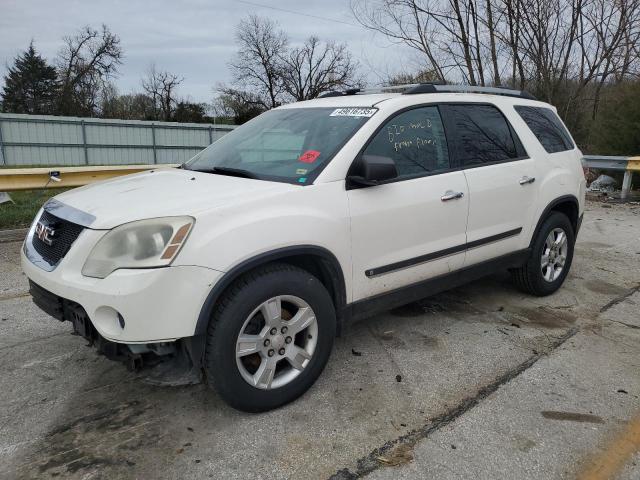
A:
[232,172]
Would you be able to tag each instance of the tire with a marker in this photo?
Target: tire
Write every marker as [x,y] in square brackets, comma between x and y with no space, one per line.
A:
[530,278]
[242,372]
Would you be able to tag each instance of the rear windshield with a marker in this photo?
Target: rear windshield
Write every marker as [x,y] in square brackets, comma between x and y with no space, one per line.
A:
[288,145]
[547,128]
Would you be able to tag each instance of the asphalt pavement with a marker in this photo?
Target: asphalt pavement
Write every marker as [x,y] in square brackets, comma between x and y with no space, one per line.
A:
[479,382]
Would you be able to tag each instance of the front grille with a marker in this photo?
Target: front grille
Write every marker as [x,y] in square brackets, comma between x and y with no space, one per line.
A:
[65,233]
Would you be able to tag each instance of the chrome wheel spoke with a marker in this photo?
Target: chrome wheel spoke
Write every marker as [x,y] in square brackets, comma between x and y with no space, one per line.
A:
[302,319]
[545,261]
[249,344]
[272,311]
[265,373]
[561,239]
[550,240]
[297,357]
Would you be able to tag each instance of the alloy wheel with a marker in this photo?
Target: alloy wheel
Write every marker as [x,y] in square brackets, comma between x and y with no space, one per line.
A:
[276,342]
[554,254]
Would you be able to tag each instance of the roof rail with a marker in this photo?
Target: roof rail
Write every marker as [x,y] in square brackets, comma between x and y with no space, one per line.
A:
[438,88]
[337,93]
[332,93]
[368,91]
[415,88]
[389,89]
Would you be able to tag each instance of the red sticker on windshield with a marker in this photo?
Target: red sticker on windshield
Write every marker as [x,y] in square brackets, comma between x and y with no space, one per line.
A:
[309,156]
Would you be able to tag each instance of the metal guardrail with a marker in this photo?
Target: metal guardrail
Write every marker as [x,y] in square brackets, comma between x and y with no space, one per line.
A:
[12,179]
[628,165]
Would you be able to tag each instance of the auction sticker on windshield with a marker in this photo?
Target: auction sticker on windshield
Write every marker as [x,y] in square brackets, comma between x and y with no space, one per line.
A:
[309,156]
[353,112]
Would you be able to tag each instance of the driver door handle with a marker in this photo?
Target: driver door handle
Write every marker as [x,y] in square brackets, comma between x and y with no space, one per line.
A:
[525,180]
[451,195]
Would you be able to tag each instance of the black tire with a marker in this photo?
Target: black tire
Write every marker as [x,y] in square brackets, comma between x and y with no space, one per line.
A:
[529,277]
[234,307]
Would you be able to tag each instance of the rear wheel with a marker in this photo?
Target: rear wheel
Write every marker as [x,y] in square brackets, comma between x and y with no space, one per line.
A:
[270,338]
[550,259]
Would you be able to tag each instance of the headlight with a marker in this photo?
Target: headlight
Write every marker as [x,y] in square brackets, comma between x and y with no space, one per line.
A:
[142,244]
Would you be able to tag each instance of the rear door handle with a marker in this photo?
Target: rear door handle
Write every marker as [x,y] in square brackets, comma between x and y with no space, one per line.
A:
[451,195]
[525,180]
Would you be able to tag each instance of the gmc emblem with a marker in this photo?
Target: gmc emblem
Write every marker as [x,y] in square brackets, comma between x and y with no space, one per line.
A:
[45,233]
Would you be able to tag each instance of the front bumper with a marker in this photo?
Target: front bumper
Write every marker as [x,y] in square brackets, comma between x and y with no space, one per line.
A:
[130,306]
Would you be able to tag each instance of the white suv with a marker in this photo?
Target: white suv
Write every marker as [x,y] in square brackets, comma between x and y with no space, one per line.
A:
[246,262]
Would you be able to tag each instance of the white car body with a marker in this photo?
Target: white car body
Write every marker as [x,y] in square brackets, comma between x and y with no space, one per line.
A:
[240,220]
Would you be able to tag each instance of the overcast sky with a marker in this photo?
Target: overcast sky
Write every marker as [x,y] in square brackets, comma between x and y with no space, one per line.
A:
[193,38]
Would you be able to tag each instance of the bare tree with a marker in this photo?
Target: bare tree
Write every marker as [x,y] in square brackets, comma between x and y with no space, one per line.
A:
[87,60]
[258,64]
[133,106]
[161,87]
[239,105]
[406,22]
[315,68]
[406,78]
[565,51]
[491,32]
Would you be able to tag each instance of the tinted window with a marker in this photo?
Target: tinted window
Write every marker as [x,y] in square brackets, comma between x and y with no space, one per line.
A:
[415,140]
[547,128]
[483,134]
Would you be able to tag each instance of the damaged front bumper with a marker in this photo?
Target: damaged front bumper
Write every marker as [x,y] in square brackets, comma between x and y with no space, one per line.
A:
[135,355]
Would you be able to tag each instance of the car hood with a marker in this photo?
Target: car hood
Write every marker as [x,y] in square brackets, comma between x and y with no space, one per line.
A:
[163,193]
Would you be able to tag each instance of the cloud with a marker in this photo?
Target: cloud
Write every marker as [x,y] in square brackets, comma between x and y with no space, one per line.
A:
[193,38]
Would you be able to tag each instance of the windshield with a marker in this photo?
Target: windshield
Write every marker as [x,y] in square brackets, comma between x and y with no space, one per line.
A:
[288,145]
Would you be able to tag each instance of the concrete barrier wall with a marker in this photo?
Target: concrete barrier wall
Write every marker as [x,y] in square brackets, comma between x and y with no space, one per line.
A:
[38,140]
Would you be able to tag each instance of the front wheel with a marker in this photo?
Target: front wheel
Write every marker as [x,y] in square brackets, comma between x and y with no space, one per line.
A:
[270,338]
[550,259]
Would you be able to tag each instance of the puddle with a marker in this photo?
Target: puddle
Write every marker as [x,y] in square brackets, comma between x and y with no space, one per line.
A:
[545,317]
[92,442]
[604,288]
[571,417]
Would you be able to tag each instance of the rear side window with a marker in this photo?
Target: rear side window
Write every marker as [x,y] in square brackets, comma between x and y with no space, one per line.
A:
[547,128]
[416,142]
[483,135]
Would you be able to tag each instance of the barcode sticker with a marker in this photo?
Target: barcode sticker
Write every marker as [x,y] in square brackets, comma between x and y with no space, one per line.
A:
[353,112]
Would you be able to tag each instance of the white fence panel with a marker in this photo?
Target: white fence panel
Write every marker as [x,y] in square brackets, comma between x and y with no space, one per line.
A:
[38,140]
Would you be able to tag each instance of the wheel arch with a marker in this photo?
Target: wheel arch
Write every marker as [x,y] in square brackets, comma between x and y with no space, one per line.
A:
[318,261]
[567,204]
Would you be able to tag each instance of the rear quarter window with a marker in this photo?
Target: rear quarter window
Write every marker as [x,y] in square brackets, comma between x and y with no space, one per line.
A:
[483,135]
[547,127]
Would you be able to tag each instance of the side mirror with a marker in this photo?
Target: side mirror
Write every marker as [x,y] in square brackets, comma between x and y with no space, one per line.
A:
[373,170]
